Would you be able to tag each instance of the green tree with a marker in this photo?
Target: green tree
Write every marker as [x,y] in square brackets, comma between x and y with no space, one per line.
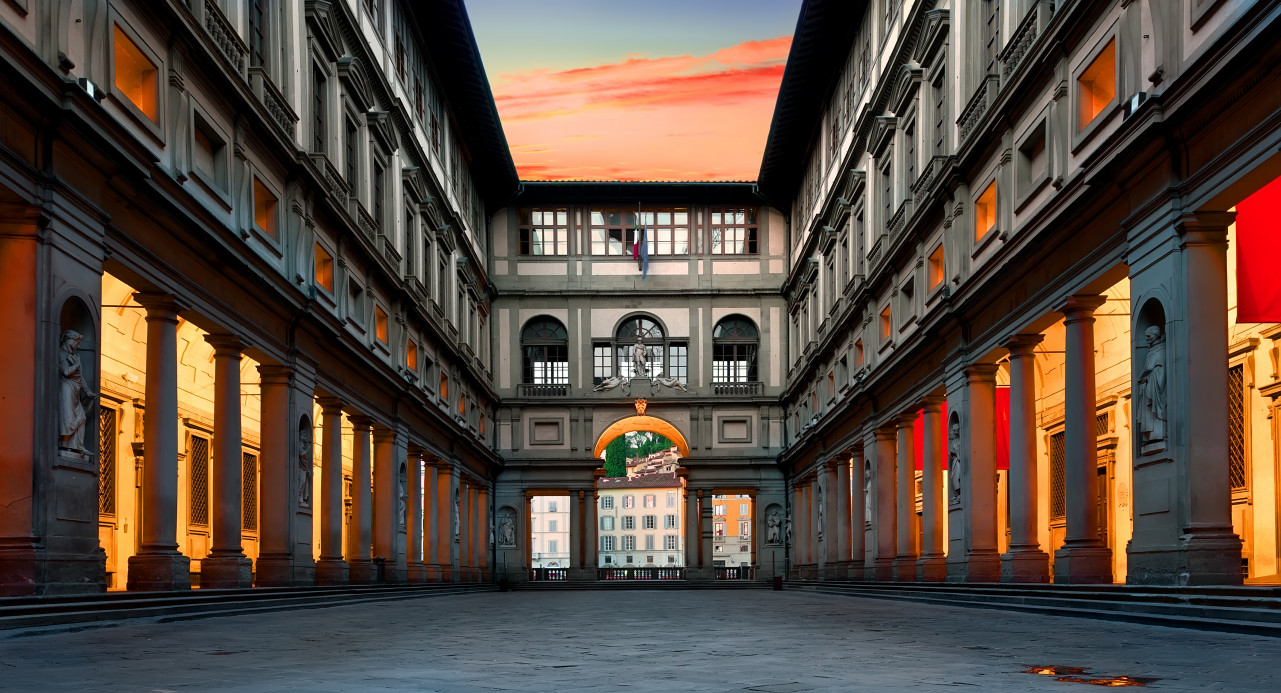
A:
[616,457]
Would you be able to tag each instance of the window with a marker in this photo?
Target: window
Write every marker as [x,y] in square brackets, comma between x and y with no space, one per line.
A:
[265,210]
[858,353]
[650,335]
[355,302]
[1032,161]
[651,501]
[937,270]
[545,349]
[671,499]
[544,231]
[649,522]
[1096,87]
[985,212]
[744,529]
[198,482]
[249,492]
[718,529]
[209,153]
[607,502]
[909,156]
[607,544]
[678,362]
[887,324]
[734,231]
[649,546]
[552,545]
[629,522]
[601,362]
[907,299]
[669,544]
[378,194]
[107,437]
[317,109]
[743,508]
[551,525]
[734,343]
[629,544]
[462,405]
[136,76]
[669,522]
[324,269]
[718,509]
[380,324]
[607,523]
[612,231]
[411,356]
[666,230]
[629,501]
[1236,428]
[1058,488]
[991,19]
[938,97]
[350,159]
[257,33]
[887,191]
[444,387]
[375,12]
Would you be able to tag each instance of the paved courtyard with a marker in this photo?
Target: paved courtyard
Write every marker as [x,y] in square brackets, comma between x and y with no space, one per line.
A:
[637,640]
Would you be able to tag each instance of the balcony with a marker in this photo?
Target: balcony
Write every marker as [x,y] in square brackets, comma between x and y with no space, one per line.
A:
[748,389]
[277,106]
[1020,44]
[543,389]
[225,37]
[982,100]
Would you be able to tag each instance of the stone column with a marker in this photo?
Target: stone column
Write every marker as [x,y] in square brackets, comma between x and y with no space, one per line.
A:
[575,531]
[590,543]
[226,567]
[449,557]
[886,520]
[276,499]
[693,532]
[431,523]
[932,566]
[841,517]
[905,560]
[385,499]
[416,571]
[331,569]
[360,567]
[983,563]
[1025,562]
[831,519]
[858,518]
[807,524]
[159,565]
[485,535]
[1084,558]
[458,546]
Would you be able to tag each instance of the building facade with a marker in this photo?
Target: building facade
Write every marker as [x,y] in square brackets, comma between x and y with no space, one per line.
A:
[549,531]
[641,521]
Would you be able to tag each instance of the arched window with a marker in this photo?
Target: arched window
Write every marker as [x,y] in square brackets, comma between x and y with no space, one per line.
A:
[650,333]
[545,348]
[734,342]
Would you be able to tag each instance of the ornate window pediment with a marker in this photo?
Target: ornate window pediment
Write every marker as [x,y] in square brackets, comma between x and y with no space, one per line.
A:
[323,27]
[882,133]
[355,82]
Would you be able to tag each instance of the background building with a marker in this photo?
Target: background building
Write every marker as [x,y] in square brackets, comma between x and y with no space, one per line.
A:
[641,521]
[549,531]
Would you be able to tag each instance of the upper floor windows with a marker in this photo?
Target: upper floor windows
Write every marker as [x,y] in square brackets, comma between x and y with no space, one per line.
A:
[991,19]
[544,231]
[324,269]
[351,146]
[258,29]
[613,231]
[937,269]
[136,76]
[1096,85]
[734,231]
[734,345]
[985,212]
[318,110]
[545,351]
[668,230]
[265,214]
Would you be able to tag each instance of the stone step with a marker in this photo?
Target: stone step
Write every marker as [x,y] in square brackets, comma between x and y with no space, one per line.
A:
[1259,614]
[34,614]
[1230,596]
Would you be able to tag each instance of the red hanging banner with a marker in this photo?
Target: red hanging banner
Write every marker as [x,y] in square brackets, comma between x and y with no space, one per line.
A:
[1258,244]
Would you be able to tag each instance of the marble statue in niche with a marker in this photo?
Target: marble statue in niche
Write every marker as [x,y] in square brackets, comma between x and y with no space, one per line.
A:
[955,461]
[402,500]
[456,522]
[304,465]
[787,530]
[1152,400]
[819,532]
[507,529]
[72,394]
[640,361]
[867,493]
[773,529]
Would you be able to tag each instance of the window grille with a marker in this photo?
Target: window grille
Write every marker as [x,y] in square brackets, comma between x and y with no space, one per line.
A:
[198,469]
[1058,494]
[1101,427]
[1236,426]
[249,492]
[106,461]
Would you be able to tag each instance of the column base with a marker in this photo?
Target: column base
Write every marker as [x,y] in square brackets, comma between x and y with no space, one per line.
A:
[883,570]
[1025,566]
[226,572]
[931,568]
[416,574]
[361,571]
[274,570]
[905,569]
[447,574]
[159,572]
[983,566]
[431,572]
[1203,557]
[1083,564]
[331,571]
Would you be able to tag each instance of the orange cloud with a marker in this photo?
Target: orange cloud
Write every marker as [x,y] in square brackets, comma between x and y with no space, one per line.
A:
[676,117]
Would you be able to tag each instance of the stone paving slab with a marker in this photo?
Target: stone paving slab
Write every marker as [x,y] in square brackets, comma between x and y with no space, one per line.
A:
[768,642]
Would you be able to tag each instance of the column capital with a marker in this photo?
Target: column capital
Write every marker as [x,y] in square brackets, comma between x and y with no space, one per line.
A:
[835,463]
[226,345]
[933,404]
[382,433]
[272,374]
[1204,228]
[886,433]
[330,406]
[981,373]
[906,420]
[1081,307]
[1021,345]
[360,422]
[159,305]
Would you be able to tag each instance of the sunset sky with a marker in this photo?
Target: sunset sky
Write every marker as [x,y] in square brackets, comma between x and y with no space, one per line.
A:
[640,90]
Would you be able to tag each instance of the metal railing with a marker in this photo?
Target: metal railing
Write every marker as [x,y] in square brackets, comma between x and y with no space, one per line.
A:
[640,573]
[548,574]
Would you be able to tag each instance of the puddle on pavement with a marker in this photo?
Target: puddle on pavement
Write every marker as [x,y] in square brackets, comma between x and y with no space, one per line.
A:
[1083,675]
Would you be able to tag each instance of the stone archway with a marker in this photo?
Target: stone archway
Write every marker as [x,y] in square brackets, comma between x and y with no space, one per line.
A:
[641,422]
